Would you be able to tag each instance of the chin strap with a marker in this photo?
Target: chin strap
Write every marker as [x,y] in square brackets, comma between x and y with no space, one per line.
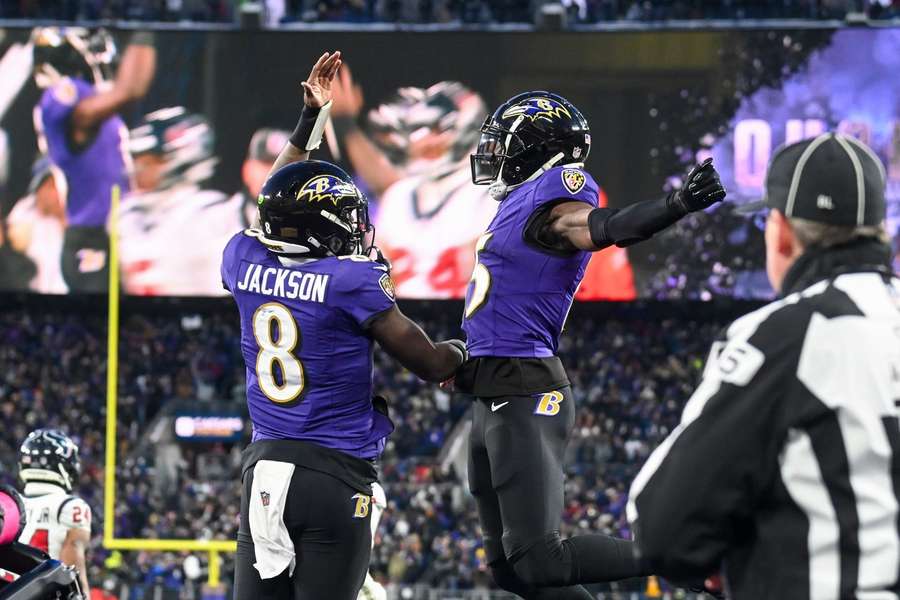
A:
[498,190]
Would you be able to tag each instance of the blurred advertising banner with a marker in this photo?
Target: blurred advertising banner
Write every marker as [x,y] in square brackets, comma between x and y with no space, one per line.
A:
[191,147]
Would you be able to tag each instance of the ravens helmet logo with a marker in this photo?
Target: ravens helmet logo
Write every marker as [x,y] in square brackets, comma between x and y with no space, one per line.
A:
[323,188]
[537,108]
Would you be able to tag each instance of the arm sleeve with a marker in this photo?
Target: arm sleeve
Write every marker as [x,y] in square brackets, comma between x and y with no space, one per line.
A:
[555,187]
[75,513]
[58,103]
[366,290]
[700,486]
[632,224]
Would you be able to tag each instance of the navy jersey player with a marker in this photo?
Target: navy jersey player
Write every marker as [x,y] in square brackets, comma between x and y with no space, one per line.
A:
[530,262]
[312,304]
[78,126]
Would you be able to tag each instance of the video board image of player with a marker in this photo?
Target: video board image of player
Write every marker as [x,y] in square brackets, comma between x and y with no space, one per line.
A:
[36,224]
[851,86]
[79,128]
[413,157]
[172,230]
[265,144]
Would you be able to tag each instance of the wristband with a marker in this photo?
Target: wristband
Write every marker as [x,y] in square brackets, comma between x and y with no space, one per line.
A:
[461,346]
[308,133]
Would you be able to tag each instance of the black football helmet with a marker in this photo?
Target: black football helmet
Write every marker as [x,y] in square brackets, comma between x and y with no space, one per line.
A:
[529,133]
[313,208]
[72,52]
[50,456]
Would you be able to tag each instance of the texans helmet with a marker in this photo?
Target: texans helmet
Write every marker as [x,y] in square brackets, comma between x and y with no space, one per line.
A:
[313,208]
[49,456]
[447,107]
[72,52]
[184,140]
[528,134]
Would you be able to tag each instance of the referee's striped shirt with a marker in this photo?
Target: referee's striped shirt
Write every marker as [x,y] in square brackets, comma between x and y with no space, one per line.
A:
[785,469]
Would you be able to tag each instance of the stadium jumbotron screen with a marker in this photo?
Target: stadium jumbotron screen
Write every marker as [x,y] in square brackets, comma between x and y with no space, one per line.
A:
[204,136]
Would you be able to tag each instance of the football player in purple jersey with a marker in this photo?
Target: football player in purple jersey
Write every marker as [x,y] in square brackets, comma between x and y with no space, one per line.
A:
[78,126]
[312,303]
[530,262]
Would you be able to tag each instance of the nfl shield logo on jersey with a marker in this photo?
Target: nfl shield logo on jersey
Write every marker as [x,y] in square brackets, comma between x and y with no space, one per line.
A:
[573,179]
[264,496]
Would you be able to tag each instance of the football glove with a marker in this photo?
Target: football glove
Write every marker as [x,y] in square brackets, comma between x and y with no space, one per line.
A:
[701,189]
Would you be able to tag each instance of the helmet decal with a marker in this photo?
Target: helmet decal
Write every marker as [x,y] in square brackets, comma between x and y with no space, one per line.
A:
[49,455]
[323,188]
[537,108]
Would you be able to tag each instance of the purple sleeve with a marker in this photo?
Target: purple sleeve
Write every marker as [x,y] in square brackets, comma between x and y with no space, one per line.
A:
[366,290]
[59,101]
[567,183]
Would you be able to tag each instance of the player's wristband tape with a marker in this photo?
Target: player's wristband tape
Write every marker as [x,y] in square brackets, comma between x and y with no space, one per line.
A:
[308,133]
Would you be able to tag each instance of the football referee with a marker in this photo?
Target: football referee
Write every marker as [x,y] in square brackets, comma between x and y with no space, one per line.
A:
[784,474]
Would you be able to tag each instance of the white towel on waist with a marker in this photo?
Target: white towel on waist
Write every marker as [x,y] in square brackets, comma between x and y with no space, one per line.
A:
[271,540]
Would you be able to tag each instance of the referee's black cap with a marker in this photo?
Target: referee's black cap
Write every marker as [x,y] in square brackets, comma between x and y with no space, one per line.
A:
[832,179]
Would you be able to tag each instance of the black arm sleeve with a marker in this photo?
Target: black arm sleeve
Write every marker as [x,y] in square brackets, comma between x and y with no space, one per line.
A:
[539,236]
[632,224]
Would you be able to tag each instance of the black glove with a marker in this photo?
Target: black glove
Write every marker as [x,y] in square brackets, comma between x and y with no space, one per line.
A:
[702,188]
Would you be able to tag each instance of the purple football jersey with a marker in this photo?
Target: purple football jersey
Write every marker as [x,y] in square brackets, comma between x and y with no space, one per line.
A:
[304,341]
[91,171]
[519,296]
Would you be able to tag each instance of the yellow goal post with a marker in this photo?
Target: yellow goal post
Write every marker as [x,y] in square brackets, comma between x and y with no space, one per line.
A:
[212,547]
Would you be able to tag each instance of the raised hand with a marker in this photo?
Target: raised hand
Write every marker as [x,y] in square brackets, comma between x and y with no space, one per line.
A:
[317,87]
[702,188]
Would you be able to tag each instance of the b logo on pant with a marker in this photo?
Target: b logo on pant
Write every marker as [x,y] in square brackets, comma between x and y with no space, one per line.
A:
[362,506]
[548,404]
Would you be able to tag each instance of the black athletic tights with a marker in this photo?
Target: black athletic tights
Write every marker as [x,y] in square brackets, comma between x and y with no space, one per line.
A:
[331,538]
[516,475]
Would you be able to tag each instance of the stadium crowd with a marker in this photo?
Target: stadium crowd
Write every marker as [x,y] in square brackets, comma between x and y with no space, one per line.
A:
[631,375]
[443,11]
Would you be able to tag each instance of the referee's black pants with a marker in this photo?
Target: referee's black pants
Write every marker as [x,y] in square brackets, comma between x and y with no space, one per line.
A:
[517,445]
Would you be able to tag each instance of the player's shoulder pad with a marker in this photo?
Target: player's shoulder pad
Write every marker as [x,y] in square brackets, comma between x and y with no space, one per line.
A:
[243,245]
[568,182]
[359,273]
[74,513]
[64,92]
